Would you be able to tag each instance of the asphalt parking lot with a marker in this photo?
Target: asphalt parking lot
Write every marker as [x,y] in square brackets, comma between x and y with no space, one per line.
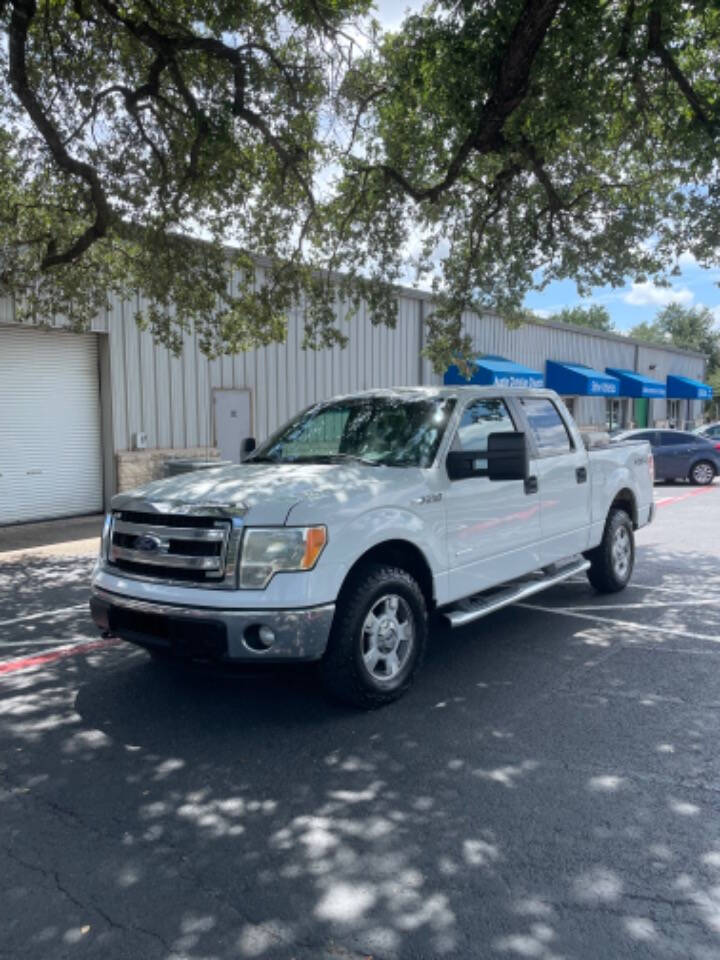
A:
[550,787]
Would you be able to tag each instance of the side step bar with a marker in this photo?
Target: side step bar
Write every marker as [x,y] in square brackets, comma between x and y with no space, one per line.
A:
[480,605]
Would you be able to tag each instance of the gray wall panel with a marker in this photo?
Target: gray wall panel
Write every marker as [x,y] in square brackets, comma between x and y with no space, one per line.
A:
[169,398]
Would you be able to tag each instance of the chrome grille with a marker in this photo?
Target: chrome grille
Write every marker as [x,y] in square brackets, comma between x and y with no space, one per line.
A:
[172,548]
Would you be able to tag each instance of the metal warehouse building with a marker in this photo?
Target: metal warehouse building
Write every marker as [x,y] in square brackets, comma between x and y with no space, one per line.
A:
[84,415]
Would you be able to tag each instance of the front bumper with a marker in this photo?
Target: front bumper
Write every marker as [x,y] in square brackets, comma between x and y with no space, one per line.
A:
[216,634]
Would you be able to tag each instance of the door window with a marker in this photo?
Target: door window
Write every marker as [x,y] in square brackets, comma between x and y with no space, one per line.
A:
[649,435]
[547,427]
[670,439]
[481,418]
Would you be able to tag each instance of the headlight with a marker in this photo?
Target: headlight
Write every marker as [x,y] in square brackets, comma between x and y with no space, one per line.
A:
[270,550]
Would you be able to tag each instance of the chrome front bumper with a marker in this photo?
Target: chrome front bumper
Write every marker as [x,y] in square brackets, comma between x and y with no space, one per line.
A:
[216,634]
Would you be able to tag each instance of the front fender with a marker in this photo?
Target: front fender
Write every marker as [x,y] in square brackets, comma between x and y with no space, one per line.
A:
[349,541]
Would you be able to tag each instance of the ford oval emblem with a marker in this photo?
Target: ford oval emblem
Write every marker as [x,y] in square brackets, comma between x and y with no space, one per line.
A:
[148,543]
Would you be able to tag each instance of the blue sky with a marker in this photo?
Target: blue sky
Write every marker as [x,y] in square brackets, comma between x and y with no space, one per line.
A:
[628,305]
[637,302]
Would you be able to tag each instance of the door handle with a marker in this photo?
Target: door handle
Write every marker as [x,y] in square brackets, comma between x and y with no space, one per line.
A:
[581,474]
[531,485]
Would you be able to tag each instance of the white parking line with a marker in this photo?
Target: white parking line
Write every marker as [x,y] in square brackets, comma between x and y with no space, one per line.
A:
[651,605]
[44,614]
[625,624]
[713,598]
[683,590]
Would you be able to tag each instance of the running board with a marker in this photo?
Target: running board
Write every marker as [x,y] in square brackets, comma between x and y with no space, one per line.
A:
[480,605]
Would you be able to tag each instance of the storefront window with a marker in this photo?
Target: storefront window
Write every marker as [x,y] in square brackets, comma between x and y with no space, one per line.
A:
[613,415]
[673,413]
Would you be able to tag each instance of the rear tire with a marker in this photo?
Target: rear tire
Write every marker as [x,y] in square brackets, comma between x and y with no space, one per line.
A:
[612,561]
[378,637]
[702,473]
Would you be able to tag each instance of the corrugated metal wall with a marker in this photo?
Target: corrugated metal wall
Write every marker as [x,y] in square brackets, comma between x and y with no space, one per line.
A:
[170,398]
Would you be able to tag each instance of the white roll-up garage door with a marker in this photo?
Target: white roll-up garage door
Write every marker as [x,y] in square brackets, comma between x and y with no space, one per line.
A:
[50,448]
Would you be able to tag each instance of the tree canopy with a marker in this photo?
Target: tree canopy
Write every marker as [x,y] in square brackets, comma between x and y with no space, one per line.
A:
[691,328]
[594,316]
[495,145]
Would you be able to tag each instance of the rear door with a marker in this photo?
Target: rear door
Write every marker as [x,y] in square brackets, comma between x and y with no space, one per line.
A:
[673,453]
[560,465]
[493,527]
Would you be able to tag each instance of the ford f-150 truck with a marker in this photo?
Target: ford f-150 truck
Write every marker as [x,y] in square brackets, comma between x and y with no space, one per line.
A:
[338,538]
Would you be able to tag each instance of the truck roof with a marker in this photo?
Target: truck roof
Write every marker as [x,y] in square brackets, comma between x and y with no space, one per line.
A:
[448,391]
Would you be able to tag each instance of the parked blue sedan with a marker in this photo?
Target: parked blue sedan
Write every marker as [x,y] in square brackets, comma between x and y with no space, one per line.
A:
[679,455]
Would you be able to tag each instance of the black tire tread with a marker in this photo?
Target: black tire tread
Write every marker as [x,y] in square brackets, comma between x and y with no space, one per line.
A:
[340,673]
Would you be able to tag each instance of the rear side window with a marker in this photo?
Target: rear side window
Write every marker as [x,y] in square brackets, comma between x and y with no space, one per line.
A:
[547,427]
[481,418]
[670,439]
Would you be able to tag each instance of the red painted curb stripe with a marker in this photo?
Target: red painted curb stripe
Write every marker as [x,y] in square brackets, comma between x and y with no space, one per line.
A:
[684,496]
[10,666]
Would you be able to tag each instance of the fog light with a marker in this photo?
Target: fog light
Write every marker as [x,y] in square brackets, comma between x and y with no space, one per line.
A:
[266,636]
[259,637]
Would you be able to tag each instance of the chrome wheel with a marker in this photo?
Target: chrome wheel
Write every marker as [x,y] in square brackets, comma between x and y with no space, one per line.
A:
[621,552]
[703,473]
[388,637]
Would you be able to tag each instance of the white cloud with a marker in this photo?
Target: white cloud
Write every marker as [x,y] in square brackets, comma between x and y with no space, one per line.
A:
[647,294]
[687,259]
[542,313]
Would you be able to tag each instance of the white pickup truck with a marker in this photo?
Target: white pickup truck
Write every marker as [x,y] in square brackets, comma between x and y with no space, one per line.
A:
[339,536]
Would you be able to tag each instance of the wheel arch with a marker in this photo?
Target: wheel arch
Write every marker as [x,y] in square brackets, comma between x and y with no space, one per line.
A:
[625,500]
[400,553]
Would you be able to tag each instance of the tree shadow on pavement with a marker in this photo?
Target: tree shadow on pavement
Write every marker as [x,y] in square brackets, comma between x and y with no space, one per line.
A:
[547,789]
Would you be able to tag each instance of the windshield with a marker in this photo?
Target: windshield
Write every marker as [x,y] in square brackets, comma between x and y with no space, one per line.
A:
[373,429]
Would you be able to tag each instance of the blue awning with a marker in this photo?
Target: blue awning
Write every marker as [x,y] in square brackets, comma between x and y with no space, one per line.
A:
[495,372]
[688,389]
[577,380]
[634,384]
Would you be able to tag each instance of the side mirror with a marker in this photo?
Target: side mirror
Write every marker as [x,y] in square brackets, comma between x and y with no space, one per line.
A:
[247,447]
[507,456]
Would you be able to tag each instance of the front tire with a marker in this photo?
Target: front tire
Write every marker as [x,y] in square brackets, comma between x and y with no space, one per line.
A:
[612,561]
[702,473]
[378,637]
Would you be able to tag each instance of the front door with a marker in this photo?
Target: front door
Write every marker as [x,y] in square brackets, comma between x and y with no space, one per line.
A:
[493,526]
[641,412]
[232,422]
[562,470]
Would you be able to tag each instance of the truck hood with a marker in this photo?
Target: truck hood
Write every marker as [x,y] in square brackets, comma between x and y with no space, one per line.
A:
[264,493]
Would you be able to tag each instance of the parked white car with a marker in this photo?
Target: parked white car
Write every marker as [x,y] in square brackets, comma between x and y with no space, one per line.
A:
[343,532]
